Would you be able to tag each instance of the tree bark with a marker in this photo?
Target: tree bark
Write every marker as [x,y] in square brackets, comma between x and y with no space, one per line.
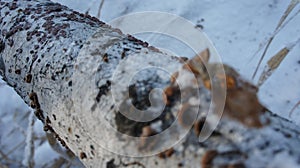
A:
[73,70]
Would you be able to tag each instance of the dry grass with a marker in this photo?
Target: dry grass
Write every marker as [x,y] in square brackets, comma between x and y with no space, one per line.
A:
[294,108]
[100,8]
[279,26]
[275,61]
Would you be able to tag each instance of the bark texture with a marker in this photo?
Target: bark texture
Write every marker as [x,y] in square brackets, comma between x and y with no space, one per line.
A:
[64,65]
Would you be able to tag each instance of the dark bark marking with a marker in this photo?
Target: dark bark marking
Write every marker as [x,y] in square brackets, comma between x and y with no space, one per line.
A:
[36,105]
[103,90]
[82,155]
[2,68]
[137,41]
[166,154]
[54,116]
[129,127]
[132,164]
[2,46]
[111,164]
[28,78]
[70,130]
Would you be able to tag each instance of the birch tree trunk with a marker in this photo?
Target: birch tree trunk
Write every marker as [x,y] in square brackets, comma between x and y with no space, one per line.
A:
[75,71]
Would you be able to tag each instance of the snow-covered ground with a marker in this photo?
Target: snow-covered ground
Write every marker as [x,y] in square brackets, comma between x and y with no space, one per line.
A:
[238,28]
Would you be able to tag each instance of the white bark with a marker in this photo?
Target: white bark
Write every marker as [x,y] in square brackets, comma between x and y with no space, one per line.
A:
[64,65]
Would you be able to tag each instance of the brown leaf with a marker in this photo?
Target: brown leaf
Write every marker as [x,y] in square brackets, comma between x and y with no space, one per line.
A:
[241,102]
[197,63]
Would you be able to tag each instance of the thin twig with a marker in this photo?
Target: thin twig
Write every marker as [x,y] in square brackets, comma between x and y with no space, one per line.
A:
[294,108]
[8,160]
[99,9]
[4,156]
[15,147]
[29,147]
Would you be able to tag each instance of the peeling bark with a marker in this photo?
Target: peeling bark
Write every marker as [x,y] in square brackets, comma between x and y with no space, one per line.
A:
[63,64]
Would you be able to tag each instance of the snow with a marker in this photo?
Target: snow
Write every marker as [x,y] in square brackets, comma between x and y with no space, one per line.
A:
[237,29]
[278,161]
[44,154]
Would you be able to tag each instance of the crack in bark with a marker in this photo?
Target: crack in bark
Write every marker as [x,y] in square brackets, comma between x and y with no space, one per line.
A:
[2,67]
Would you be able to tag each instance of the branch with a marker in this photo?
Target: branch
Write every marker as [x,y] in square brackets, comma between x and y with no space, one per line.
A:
[84,79]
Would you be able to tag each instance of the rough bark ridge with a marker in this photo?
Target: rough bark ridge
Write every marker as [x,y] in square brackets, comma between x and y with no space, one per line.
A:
[62,63]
